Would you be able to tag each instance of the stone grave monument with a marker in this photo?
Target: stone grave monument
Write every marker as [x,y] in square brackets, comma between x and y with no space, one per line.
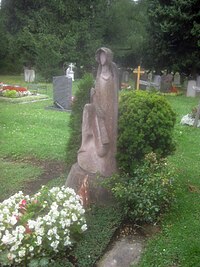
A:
[62,92]
[29,75]
[177,79]
[190,88]
[96,156]
[166,82]
[157,81]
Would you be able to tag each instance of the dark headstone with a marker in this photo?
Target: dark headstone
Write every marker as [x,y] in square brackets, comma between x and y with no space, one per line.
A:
[62,92]
[166,82]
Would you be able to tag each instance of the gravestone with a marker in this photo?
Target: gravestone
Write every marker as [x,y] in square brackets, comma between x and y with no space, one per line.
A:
[125,77]
[166,82]
[62,92]
[29,75]
[198,81]
[157,81]
[144,78]
[177,79]
[150,76]
[190,88]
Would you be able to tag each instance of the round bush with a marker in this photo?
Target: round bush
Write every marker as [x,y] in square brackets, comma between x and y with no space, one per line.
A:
[146,123]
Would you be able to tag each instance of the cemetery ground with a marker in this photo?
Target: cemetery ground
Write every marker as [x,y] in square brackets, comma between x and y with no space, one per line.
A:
[33,147]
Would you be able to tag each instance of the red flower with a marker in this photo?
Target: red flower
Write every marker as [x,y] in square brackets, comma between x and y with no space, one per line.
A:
[23,202]
[16,88]
[22,205]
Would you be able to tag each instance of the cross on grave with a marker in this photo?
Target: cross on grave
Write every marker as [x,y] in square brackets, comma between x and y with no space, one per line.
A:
[138,71]
[71,66]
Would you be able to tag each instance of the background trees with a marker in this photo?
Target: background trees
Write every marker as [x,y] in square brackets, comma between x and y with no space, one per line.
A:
[174,35]
[45,34]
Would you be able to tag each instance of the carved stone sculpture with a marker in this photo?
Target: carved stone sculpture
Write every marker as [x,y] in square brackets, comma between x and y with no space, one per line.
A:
[99,125]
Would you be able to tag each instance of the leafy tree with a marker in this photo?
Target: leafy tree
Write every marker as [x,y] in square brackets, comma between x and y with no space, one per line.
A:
[49,33]
[174,34]
[125,31]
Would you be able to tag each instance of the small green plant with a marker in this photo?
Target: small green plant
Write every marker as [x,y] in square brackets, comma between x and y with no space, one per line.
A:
[147,193]
[146,123]
[10,93]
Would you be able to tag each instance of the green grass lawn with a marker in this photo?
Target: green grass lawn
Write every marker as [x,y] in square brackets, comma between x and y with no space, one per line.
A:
[14,175]
[32,131]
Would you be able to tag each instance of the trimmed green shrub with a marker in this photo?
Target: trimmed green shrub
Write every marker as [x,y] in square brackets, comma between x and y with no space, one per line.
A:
[147,193]
[146,123]
[82,97]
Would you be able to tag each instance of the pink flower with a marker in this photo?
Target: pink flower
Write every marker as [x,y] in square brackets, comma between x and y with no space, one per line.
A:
[23,203]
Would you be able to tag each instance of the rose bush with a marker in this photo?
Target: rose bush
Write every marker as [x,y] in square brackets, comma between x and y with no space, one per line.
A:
[39,226]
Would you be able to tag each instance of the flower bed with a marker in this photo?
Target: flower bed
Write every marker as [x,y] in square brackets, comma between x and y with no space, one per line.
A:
[13,90]
[39,226]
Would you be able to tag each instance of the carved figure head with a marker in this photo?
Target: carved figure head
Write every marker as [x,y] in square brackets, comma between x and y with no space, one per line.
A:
[106,58]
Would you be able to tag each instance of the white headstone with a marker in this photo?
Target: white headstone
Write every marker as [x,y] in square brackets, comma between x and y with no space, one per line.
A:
[29,75]
[190,88]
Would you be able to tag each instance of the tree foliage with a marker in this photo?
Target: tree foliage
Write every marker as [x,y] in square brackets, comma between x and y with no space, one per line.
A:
[174,34]
[45,34]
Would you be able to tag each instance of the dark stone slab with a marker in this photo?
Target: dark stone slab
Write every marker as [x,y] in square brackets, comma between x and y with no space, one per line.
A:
[62,92]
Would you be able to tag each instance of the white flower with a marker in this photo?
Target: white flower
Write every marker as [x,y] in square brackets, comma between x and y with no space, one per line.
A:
[22,253]
[74,217]
[12,220]
[10,256]
[7,238]
[21,229]
[31,224]
[84,227]
[39,240]
[54,244]
[31,248]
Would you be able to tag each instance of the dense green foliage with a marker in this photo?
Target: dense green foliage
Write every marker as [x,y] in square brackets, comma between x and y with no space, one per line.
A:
[146,123]
[48,35]
[82,96]
[174,34]
[147,192]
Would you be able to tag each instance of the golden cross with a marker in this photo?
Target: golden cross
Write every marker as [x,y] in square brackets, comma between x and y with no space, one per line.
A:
[138,71]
